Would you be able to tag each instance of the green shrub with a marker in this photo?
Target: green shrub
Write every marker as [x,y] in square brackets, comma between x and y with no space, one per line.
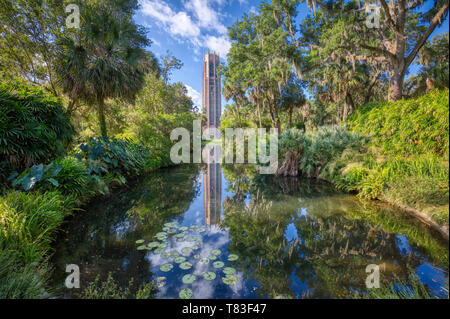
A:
[34,127]
[110,289]
[22,281]
[28,221]
[317,149]
[69,176]
[155,132]
[413,126]
[116,157]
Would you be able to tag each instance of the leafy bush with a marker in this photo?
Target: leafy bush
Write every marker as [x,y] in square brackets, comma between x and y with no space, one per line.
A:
[413,126]
[317,149]
[28,220]
[34,127]
[155,132]
[18,281]
[69,176]
[115,156]
[110,289]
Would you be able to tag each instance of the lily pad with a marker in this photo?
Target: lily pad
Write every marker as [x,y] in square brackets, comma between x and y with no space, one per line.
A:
[196,256]
[186,265]
[218,264]
[171,231]
[158,250]
[188,279]
[154,244]
[142,247]
[183,228]
[140,241]
[163,245]
[185,293]
[204,260]
[174,254]
[229,271]
[172,224]
[180,259]
[161,234]
[229,280]
[212,257]
[232,257]
[166,267]
[165,255]
[186,250]
[209,275]
[201,229]
[195,247]
[216,252]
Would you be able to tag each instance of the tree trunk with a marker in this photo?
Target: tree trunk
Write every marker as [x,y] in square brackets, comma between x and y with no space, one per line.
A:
[396,85]
[101,117]
[289,166]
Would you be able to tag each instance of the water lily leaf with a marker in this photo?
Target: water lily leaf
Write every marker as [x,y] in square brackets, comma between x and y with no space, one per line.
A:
[158,250]
[154,244]
[201,229]
[183,228]
[166,267]
[229,271]
[140,241]
[195,247]
[161,234]
[142,247]
[196,256]
[180,259]
[186,250]
[218,264]
[163,245]
[185,293]
[216,252]
[172,224]
[171,231]
[165,255]
[233,257]
[209,275]
[188,279]
[212,257]
[229,280]
[204,261]
[186,265]
[173,254]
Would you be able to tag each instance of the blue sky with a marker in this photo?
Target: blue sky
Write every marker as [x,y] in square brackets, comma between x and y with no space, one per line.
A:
[189,28]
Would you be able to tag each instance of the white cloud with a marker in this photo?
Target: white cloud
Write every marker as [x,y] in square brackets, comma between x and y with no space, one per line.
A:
[194,95]
[206,16]
[199,24]
[220,45]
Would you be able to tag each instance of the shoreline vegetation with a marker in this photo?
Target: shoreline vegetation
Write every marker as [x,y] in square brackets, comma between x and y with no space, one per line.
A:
[86,109]
[396,152]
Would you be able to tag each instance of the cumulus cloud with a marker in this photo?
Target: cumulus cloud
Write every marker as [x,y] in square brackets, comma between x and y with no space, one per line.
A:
[194,95]
[198,23]
[220,45]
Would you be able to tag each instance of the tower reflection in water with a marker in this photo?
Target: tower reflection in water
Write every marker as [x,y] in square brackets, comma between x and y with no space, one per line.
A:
[212,190]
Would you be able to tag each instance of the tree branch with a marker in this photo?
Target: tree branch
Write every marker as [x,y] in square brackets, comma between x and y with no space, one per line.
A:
[434,22]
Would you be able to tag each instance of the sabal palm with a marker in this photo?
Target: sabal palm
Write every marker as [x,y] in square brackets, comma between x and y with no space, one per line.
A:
[104,59]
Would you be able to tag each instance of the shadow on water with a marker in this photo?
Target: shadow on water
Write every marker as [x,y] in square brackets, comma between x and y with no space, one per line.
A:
[276,237]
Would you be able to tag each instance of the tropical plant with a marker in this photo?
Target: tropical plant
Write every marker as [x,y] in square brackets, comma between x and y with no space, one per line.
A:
[105,58]
[34,127]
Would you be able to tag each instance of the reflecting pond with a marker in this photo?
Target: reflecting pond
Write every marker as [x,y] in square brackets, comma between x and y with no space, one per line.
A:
[226,232]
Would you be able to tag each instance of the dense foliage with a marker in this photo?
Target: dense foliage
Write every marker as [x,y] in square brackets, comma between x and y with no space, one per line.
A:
[413,126]
[34,127]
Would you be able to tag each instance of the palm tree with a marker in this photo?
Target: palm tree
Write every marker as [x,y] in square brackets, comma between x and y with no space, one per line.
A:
[105,58]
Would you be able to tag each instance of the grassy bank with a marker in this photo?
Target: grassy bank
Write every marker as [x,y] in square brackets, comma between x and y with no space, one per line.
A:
[45,178]
[393,151]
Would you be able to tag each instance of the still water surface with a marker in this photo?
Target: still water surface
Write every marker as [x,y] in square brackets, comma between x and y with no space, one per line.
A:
[243,235]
